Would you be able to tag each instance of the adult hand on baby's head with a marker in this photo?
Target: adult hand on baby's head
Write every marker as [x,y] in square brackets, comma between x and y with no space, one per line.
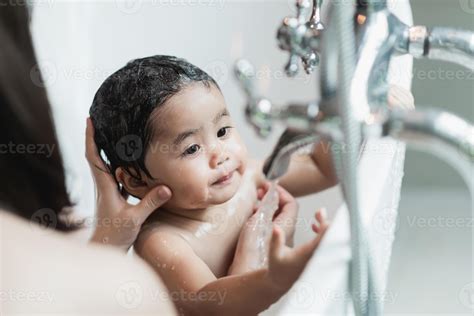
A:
[117,222]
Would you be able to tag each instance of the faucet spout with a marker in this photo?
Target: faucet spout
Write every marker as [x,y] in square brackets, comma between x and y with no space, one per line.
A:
[440,133]
[442,43]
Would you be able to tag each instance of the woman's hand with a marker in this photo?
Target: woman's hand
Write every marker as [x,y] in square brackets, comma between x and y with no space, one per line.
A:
[117,221]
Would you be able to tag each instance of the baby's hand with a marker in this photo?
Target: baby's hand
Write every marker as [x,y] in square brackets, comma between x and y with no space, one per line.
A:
[248,252]
[286,264]
[285,216]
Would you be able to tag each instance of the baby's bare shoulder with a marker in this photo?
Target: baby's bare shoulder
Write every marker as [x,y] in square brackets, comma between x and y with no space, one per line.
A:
[160,238]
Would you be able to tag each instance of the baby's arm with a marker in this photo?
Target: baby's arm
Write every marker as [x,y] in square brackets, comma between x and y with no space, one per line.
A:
[195,290]
[307,173]
[310,173]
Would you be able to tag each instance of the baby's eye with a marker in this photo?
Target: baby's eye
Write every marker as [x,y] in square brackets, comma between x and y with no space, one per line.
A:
[223,131]
[191,150]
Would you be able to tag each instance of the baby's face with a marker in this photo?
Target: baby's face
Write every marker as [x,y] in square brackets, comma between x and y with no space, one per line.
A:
[197,151]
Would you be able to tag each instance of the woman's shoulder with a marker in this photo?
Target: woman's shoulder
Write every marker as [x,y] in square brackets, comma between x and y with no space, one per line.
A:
[36,258]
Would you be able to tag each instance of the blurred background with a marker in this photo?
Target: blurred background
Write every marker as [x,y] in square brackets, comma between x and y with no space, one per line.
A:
[432,264]
[80,43]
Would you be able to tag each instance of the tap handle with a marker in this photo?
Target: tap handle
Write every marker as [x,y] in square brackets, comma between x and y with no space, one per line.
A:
[245,73]
[258,110]
[302,9]
[292,67]
[310,61]
[315,19]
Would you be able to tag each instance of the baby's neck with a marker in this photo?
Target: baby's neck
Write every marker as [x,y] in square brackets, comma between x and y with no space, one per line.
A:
[212,214]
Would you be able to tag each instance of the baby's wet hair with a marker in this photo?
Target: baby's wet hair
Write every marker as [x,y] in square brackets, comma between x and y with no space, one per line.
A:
[122,108]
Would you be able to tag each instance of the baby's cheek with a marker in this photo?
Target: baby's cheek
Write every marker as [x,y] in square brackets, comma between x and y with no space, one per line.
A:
[241,154]
[194,187]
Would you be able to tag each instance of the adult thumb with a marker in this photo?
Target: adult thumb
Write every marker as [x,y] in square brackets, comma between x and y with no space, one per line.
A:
[153,200]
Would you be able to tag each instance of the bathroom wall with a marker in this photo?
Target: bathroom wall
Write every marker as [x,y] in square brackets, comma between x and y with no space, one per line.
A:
[442,85]
[432,260]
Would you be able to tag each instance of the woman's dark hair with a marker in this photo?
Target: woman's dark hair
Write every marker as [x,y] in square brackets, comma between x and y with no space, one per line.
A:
[31,168]
[122,107]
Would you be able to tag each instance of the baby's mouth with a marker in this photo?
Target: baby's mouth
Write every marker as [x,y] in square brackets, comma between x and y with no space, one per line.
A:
[224,179]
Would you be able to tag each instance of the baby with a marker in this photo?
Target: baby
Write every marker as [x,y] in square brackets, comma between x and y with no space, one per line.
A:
[161,120]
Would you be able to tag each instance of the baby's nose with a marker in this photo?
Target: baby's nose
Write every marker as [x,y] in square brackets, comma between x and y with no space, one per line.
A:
[218,156]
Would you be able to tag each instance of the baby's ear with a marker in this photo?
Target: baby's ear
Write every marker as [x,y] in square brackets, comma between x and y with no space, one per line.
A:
[132,185]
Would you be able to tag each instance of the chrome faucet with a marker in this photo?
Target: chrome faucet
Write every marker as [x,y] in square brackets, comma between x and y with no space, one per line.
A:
[356,48]
[381,36]
[299,37]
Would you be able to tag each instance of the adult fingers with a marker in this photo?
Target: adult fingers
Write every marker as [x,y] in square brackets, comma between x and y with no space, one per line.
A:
[153,200]
[103,179]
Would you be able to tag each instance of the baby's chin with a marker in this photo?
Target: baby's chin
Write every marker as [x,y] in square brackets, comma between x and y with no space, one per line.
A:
[222,194]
